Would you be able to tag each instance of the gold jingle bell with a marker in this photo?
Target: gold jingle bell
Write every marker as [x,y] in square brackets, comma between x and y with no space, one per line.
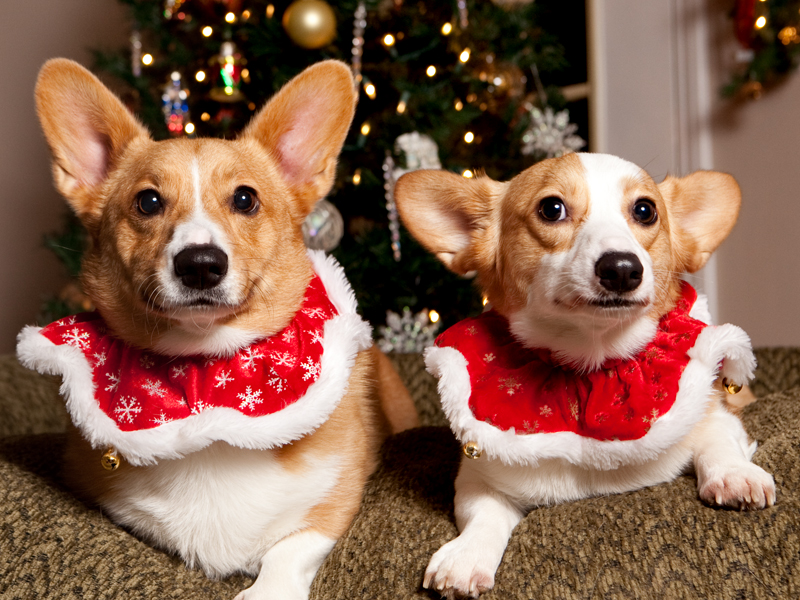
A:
[111,460]
[730,387]
[472,450]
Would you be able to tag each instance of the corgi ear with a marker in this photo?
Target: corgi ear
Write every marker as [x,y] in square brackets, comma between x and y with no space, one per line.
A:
[87,128]
[703,208]
[304,127]
[450,215]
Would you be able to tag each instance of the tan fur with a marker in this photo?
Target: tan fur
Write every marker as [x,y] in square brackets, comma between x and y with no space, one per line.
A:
[102,158]
[703,225]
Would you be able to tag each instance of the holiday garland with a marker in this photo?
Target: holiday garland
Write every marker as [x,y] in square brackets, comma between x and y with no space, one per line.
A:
[769,32]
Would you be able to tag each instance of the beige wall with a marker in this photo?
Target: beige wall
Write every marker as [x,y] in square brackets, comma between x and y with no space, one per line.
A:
[30,33]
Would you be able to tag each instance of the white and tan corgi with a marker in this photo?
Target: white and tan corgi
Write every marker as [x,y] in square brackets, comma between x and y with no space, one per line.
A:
[595,372]
[226,368]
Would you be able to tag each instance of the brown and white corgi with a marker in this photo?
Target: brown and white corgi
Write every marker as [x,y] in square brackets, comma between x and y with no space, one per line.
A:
[595,371]
[226,367]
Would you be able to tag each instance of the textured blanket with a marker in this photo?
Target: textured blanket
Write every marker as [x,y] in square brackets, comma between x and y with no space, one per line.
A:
[661,542]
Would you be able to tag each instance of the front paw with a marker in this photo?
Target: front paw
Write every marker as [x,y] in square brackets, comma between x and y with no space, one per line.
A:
[460,570]
[744,486]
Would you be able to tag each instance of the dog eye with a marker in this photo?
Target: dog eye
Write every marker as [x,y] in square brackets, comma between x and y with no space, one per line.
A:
[148,202]
[644,211]
[552,209]
[245,200]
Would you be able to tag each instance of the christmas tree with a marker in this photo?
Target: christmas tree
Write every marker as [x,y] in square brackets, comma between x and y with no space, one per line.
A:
[463,85]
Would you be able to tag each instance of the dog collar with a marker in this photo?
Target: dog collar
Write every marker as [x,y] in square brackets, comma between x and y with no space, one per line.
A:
[150,406]
[495,389]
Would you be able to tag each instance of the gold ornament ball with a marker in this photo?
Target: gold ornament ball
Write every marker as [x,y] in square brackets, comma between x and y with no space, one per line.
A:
[310,23]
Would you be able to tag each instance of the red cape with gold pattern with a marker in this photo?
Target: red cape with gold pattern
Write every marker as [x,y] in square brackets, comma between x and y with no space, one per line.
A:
[490,381]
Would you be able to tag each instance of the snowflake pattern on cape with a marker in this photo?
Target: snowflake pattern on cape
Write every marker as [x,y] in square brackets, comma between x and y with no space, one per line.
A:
[223,379]
[312,369]
[276,381]
[141,390]
[250,398]
[161,419]
[114,382]
[249,356]
[283,359]
[154,388]
[77,338]
[127,408]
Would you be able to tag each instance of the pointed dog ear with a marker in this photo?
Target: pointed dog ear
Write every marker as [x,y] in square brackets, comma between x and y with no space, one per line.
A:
[703,208]
[450,215]
[304,127]
[87,129]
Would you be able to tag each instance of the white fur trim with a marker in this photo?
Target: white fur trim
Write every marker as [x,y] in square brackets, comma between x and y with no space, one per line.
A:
[344,337]
[700,310]
[714,345]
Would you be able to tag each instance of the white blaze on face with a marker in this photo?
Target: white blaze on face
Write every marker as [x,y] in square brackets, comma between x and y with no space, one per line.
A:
[569,275]
[197,229]
[608,228]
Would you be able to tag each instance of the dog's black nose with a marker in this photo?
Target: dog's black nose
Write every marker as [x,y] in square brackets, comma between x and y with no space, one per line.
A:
[619,271]
[201,267]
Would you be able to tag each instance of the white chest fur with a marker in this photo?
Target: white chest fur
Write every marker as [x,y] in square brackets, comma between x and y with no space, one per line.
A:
[220,508]
[553,481]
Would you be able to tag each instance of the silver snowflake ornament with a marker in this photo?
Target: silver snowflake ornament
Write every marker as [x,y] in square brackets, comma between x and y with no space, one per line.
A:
[407,333]
[550,134]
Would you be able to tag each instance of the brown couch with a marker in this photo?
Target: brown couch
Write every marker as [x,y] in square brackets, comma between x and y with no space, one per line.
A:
[660,542]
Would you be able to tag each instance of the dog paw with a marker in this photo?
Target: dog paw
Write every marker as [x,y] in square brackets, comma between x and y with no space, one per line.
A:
[744,486]
[459,570]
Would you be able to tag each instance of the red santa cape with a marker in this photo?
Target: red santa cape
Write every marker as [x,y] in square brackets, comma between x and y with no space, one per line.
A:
[520,405]
[150,406]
